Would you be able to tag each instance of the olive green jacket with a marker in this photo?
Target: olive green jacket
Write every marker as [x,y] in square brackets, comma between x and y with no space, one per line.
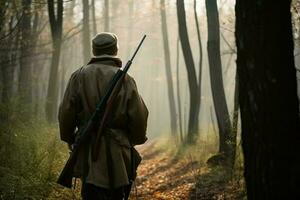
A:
[127,124]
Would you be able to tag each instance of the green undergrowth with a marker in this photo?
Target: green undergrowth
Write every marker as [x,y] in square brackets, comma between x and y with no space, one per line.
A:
[30,154]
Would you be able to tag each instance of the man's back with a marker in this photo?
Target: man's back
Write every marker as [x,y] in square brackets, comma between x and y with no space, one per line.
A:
[126,126]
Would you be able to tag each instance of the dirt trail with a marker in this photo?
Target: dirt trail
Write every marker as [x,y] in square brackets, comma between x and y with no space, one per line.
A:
[163,176]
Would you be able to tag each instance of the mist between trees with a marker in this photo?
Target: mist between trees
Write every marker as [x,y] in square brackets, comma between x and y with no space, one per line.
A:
[185,72]
[33,48]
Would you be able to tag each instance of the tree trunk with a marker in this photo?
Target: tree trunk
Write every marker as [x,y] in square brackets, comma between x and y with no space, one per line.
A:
[178,92]
[115,5]
[67,50]
[2,70]
[3,9]
[216,78]
[56,32]
[172,107]
[235,118]
[192,79]
[8,61]
[200,52]
[106,16]
[7,73]
[35,61]
[130,27]
[86,41]
[268,99]
[94,18]
[25,76]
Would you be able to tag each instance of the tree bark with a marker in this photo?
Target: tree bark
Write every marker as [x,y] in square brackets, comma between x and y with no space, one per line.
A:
[235,118]
[178,93]
[130,26]
[86,41]
[25,76]
[35,61]
[8,67]
[3,8]
[56,33]
[200,52]
[172,107]
[192,79]
[94,18]
[268,99]
[106,16]
[216,78]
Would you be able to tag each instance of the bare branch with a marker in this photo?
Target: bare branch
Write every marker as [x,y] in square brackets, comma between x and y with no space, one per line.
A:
[13,29]
[228,44]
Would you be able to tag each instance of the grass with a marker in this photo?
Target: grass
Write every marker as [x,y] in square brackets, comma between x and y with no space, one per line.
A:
[211,182]
[30,155]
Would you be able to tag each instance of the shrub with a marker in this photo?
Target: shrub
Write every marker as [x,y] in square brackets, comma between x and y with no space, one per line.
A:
[30,154]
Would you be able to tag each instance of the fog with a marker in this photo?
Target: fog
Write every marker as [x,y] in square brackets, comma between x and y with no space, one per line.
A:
[130,21]
[189,57]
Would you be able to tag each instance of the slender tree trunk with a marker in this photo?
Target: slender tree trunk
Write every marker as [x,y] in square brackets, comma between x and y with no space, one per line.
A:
[86,41]
[268,99]
[25,76]
[168,68]
[68,50]
[2,19]
[94,18]
[106,16]
[115,5]
[3,8]
[200,52]
[9,62]
[56,32]
[235,119]
[192,79]
[34,62]
[42,86]
[63,75]
[130,27]
[7,70]
[216,78]
[178,92]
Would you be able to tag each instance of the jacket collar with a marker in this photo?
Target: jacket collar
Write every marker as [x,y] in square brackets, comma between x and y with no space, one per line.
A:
[106,59]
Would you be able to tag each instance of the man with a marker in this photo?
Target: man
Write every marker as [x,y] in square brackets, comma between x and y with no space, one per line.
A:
[111,174]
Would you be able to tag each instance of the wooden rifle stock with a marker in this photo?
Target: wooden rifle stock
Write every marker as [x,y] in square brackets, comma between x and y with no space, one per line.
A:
[102,112]
[66,176]
[105,117]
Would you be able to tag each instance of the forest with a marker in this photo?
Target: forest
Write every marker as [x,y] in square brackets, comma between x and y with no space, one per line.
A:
[220,79]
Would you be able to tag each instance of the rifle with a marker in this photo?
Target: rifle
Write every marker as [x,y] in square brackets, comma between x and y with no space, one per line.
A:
[103,107]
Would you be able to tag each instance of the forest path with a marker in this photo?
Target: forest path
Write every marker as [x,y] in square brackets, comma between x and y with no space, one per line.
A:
[161,175]
[165,174]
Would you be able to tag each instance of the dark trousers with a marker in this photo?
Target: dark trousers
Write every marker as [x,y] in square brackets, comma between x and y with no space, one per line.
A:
[92,192]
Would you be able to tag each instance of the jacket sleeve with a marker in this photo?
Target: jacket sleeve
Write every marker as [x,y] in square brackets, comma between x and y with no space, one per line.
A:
[137,115]
[68,110]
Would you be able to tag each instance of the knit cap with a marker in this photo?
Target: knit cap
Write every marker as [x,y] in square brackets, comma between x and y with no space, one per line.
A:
[105,43]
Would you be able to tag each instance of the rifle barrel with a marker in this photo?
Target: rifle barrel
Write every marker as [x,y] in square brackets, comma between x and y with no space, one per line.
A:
[140,44]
